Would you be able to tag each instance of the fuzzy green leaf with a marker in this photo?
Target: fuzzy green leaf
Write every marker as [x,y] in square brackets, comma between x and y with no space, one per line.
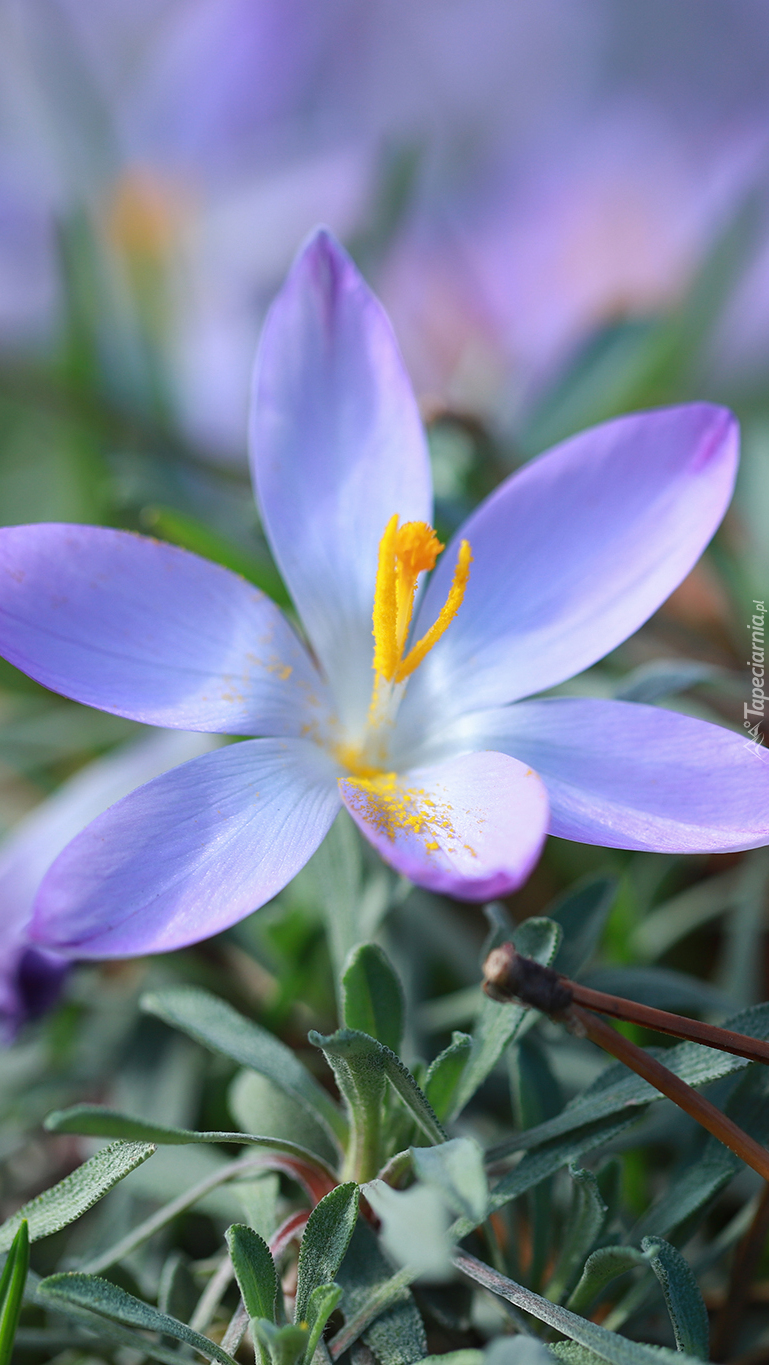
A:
[325,1241]
[583,1227]
[372,996]
[600,1269]
[610,1346]
[323,1300]
[362,1066]
[95,1121]
[397,1336]
[685,1304]
[219,1027]
[110,1301]
[254,1270]
[65,1202]
[284,1345]
[445,1073]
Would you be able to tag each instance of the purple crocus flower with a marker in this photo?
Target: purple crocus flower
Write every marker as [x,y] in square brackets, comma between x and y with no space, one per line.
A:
[423,734]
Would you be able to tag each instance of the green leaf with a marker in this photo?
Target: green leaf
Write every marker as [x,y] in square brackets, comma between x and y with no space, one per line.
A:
[582,914]
[372,996]
[498,1025]
[110,1333]
[65,1202]
[610,1346]
[693,1189]
[219,1027]
[397,1336]
[445,1073]
[685,1304]
[362,1066]
[261,1106]
[550,1157]
[323,1300]
[583,1227]
[284,1345]
[456,1169]
[352,898]
[465,1356]
[603,1266]
[177,1291]
[517,1350]
[254,1270]
[110,1301]
[12,1282]
[573,1354]
[96,1121]
[325,1241]
[379,1301]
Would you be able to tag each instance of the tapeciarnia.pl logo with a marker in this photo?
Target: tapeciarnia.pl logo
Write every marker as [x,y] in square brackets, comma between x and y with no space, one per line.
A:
[755,709]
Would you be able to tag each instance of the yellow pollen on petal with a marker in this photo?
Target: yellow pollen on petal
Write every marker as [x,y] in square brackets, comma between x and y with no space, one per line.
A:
[392,809]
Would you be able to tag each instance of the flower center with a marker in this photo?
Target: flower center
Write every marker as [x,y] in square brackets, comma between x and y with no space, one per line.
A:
[404,553]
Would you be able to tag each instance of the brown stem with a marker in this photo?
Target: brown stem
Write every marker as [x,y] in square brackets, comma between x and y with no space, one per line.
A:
[756,1049]
[510,976]
[739,1142]
[745,1260]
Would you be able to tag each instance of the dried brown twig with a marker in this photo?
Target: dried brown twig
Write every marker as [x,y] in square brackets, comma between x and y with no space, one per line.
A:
[510,976]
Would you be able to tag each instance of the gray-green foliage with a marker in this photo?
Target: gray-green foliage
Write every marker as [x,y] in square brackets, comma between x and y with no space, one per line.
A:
[100,1297]
[685,1304]
[216,1025]
[372,996]
[65,1202]
[326,1239]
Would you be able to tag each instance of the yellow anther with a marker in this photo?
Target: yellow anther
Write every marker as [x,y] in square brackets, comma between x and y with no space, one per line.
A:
[447,613]
[416,549]
[404,553]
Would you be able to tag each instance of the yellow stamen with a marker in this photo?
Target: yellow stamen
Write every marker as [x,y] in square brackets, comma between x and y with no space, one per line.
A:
[416,549]
[404,553]
[386,652]
[447,613]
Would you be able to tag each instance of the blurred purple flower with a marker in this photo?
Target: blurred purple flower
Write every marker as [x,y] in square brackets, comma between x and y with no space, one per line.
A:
[442,774]
[30,977]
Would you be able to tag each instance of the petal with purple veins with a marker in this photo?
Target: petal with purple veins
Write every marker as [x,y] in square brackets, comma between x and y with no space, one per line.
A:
[471,828]
[146,630]
[190,853]
[337,447]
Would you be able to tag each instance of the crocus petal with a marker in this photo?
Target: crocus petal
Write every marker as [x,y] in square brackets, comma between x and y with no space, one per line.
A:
[30,978]
[573,553]
[632,776]
[190,853]
[337,447]
[472,827]
[149,631]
